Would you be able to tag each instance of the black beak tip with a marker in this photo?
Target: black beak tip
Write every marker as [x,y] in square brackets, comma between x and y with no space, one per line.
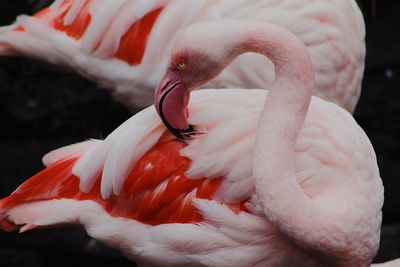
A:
[183,134]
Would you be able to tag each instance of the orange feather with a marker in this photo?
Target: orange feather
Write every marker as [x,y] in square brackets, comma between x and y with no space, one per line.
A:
[132,44]
[143,197]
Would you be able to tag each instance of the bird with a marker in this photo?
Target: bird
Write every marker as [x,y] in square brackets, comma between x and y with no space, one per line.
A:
[217,177]
[116,42]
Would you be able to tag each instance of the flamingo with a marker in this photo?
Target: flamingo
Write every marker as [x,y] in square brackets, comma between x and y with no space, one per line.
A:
[116,43]
[290,182]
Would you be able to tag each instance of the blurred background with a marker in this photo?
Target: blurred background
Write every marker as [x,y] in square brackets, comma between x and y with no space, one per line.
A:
[43,108]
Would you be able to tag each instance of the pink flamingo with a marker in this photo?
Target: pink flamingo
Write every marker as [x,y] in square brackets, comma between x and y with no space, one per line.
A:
[292,182]
[116,43]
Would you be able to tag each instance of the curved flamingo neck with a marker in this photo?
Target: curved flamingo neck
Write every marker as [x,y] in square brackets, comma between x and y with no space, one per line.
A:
[279,124]
[285,204]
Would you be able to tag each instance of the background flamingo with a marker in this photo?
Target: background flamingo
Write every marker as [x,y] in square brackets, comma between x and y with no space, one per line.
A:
[221,169]
[116,42]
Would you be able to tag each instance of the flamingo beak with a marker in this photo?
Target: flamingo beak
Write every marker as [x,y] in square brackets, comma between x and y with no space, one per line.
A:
[171,99]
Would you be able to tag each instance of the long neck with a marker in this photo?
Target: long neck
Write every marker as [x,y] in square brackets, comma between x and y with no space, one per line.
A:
[285,203]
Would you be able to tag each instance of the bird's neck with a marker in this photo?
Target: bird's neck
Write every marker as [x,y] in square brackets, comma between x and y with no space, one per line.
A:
[284,201]
[289,99]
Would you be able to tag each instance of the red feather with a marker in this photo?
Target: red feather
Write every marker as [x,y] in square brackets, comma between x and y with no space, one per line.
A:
[132,45]
[140,199]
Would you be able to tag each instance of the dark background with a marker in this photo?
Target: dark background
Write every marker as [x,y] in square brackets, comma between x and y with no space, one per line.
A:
[43,108]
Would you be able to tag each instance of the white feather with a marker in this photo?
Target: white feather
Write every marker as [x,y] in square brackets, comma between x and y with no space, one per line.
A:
[333,31]
[225,238]
[66,152]
[100,21]
[56,4]
[73,12]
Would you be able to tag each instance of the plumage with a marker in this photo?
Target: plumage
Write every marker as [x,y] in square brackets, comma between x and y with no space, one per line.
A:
[116,42]
[290,180]
[147,224]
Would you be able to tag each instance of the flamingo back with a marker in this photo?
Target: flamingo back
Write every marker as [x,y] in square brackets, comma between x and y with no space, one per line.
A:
[117,43]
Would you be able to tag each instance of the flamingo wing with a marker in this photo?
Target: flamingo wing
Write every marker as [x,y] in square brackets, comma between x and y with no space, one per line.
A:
[91,22]
[140,172]
[116,43]
[168,203]
[156,191]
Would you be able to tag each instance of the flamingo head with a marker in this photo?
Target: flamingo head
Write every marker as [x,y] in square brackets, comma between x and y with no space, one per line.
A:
[194,61]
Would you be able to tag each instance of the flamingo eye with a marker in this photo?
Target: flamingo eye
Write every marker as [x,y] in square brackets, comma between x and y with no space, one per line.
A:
[181,65]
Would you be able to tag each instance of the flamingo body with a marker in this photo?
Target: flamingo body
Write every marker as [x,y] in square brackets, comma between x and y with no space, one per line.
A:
[116,42]
[166,203]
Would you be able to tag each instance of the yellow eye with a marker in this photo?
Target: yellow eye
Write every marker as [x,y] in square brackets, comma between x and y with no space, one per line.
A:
[181,65]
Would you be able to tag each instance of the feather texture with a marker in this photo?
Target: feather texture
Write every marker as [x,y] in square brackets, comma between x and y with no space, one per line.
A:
[117,42]
[193,204]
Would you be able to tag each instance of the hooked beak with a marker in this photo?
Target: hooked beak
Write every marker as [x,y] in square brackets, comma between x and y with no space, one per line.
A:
[171,99]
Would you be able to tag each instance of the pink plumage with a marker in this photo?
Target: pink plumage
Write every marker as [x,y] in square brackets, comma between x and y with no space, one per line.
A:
[290,181]
[115,43]
[231,222]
